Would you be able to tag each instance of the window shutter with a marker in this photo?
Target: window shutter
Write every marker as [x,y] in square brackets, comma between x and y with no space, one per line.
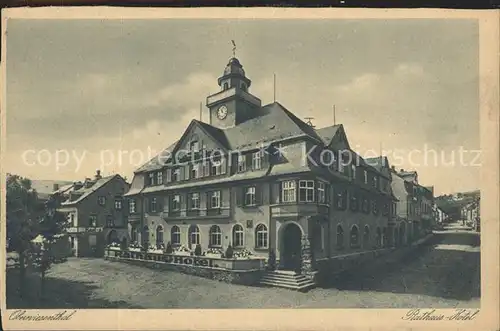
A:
[182,201]
[166,203]
[258,194]
[248,159]
[276,192]
[239,196]
[206,168]
[159,204]
[187,172]
[265,157]
[181,173]
[223,165]
[169,175]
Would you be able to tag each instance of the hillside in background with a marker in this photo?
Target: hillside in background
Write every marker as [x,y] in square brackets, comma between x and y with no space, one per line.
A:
[453,203]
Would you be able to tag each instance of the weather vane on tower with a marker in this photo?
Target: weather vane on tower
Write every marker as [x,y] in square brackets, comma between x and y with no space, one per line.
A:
[234,48]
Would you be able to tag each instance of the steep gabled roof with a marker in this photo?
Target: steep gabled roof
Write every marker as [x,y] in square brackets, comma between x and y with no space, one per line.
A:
[327,133]
[378,162]
[159,160]
[86,192]
[274,123]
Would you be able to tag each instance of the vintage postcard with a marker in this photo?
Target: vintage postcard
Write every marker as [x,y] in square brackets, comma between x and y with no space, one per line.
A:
[238,169]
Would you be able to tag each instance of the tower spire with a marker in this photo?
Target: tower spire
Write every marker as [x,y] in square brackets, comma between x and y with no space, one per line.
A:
[234,48]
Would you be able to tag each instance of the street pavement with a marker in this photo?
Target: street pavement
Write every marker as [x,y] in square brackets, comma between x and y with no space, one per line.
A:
[443,273]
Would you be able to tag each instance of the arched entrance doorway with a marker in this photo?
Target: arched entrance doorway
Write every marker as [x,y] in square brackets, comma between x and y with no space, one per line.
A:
[112,237]
[291,252]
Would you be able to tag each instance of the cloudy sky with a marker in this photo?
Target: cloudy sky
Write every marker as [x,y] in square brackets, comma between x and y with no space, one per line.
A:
[112,93]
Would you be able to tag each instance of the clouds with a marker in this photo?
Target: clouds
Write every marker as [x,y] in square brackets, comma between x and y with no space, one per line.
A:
[94,85]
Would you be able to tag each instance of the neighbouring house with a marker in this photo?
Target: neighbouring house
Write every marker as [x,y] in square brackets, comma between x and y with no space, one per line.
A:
[471,213]
[440,215]
[96,212]
[45,188]
[257,177]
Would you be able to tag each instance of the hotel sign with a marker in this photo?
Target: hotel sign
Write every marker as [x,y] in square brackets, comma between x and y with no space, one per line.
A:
[198,261]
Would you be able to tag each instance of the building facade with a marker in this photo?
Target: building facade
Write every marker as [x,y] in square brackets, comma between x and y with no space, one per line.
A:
[96,212]
[259,178]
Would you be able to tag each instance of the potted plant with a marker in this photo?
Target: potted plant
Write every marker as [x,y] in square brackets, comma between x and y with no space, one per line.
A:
[214,252]
[229,252]
[169,249]
[197,250]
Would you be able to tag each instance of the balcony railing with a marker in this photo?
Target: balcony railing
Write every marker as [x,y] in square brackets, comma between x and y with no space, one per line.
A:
[192,213]
[298,209]
[81,229]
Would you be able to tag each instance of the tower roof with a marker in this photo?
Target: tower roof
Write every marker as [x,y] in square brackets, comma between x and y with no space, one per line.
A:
[234,67]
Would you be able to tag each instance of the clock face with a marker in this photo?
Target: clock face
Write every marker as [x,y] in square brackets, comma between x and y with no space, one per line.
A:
[222,112]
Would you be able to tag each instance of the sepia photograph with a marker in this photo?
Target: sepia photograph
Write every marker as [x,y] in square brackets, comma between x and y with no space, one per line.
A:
[245,162]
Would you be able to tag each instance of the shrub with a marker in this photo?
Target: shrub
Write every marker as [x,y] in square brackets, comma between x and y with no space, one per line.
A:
[197,250]
[229,252]
[169,249]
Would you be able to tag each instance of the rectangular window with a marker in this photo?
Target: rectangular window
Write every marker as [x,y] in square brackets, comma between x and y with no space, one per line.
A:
[306,191]
[118,204]
[195,170]
[353,171]
[242,163]
[288,193]
[194,146]
[151,176]
[215,167]
[153,205]
[341,199]
[341,164]
[101,201]
[257,160]
[175,203]
[159,178]
[93,221]
[321,192]
[366,176]
[110,221]
[176,175]
[215,200]
[132,206]
[250,196]
[194,201]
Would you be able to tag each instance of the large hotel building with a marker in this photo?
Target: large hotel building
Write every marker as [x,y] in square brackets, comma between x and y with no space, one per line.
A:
[257,177]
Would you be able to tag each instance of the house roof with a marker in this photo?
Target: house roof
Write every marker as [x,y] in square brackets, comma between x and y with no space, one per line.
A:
[327,133]
[85,192]
[44,188]
[378,162]
[156,162]
[273,123]
[47,186]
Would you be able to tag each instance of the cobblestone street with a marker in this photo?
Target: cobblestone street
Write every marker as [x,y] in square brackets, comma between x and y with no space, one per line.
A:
[443,273]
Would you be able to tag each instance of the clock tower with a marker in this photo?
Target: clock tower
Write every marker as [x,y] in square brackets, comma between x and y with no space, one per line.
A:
[233,104]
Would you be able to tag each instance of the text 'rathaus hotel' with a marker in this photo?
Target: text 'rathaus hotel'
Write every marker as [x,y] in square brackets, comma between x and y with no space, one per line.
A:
[272,199]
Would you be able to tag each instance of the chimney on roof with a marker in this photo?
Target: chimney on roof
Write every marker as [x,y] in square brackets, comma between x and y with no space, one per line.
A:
[393,168]
[401,170]
[98,174]
[55,187]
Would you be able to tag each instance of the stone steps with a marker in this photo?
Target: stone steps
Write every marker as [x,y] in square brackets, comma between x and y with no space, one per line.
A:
[287,279]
